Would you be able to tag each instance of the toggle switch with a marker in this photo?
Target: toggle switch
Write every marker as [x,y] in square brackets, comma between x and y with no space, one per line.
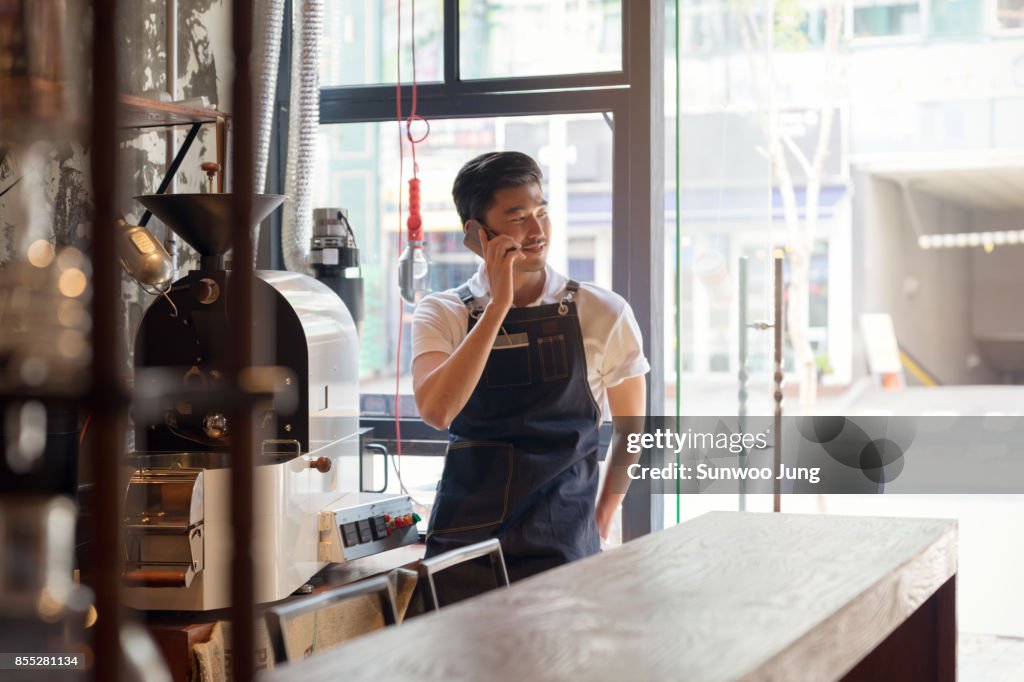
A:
[349,534]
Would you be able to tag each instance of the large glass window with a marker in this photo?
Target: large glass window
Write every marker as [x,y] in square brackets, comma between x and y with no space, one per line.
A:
[722,201]
[509,38]
[709,27]
[358,169]
[359,45]
[558,46]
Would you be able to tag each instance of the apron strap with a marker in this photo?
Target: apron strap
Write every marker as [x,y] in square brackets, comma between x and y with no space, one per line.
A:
[465,295]
[571,288]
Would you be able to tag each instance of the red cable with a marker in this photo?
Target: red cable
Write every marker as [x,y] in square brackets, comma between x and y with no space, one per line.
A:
[401,303]
[413,116]
[414,223]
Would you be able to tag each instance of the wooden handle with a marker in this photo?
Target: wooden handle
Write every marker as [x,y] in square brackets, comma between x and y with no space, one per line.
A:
[141,577]
[321,464]
[211,169]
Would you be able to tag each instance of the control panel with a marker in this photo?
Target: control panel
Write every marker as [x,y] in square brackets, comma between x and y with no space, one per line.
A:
[361,528]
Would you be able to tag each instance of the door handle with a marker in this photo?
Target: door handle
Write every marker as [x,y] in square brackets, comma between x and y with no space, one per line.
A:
[382,449]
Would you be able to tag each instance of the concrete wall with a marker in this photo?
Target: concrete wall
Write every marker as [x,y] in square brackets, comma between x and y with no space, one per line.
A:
[928,293]
[61,208]
[998,294]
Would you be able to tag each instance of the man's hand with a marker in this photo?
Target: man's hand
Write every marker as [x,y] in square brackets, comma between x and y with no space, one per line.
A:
[500,256]
[628,404]
[605,518]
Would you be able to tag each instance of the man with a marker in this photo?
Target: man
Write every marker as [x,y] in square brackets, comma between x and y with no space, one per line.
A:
[520,364]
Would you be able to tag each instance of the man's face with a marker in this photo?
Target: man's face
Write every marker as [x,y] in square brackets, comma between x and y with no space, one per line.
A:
[522,213]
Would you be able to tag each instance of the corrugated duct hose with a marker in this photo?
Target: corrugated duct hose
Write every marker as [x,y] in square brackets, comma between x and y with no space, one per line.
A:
[303,132]
[267,48]
[303,118]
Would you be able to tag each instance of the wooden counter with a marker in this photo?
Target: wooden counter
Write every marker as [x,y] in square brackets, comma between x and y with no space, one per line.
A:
[727,596]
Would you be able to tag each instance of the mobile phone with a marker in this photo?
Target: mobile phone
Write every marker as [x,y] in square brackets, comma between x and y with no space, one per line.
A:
[471,240]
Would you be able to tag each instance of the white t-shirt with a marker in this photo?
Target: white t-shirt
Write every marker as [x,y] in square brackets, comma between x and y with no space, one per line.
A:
[611,336]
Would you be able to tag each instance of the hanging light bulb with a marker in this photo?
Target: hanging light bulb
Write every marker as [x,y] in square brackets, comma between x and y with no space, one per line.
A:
[413,265]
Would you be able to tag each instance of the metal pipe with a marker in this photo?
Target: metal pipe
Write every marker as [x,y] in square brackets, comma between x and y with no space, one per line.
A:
[240,302]
[106,396]
[171,40]
[778,326]
[741,412]
[171,33]
[742,393]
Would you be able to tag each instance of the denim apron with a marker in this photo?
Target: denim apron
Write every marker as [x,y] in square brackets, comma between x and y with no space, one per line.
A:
[521,464]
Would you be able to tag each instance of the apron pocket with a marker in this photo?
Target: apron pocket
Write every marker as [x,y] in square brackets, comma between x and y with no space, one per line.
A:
[554,366]
[474,490]
[509,365]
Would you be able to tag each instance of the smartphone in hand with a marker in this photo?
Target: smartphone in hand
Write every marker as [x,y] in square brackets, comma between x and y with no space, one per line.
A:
[472,238]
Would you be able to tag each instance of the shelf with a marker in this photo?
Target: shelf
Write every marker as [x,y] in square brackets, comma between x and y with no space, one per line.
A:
[135,113]
[139,112]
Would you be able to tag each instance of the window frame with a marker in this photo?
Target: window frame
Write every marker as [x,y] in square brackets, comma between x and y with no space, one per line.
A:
[633,96]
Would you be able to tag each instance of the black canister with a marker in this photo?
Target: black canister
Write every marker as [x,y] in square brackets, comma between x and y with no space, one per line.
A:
[335,258]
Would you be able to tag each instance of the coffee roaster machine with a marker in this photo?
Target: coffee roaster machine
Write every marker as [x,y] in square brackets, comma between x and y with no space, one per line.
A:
[309,510]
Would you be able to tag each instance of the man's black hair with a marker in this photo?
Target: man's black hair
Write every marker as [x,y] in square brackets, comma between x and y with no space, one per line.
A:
[480,178]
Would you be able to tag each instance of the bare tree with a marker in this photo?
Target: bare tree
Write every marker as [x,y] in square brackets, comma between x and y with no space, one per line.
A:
[778,27]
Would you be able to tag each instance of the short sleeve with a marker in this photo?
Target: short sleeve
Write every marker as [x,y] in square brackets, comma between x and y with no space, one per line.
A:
[432,328]
[623,355]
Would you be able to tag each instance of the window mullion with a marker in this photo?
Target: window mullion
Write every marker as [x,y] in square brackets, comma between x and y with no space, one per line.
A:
[451,42]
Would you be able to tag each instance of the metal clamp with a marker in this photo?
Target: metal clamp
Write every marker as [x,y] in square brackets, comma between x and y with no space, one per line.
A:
[563,305]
